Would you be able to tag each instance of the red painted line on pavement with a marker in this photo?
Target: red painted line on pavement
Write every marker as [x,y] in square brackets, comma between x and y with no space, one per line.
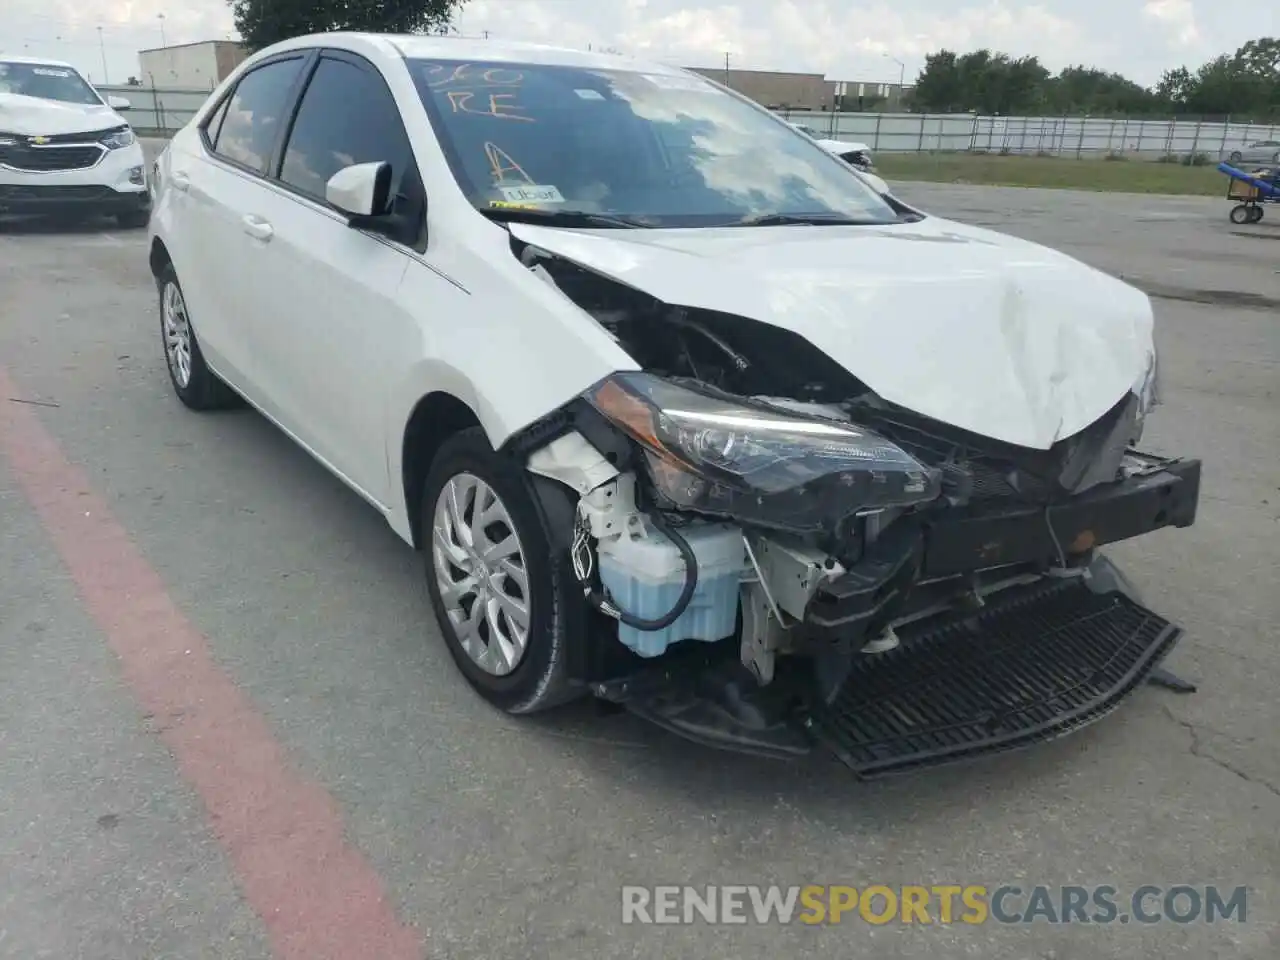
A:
[316,894]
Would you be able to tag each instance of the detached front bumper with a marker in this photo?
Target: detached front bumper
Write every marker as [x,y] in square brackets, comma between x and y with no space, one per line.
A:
[975,672]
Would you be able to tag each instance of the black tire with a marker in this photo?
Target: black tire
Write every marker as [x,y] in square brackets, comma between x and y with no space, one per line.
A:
[1255,214]
[1240,213]
[203,390]
[1235,157]
[133,219]
[538,681]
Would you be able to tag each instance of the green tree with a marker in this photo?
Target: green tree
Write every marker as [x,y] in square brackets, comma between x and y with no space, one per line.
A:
[1245,84]
[937,88]
[264,22]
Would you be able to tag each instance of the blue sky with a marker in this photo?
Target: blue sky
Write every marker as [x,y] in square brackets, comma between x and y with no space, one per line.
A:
[846,39]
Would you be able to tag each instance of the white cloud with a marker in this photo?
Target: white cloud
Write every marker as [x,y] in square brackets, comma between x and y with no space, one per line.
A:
[1178,17]
[846,39]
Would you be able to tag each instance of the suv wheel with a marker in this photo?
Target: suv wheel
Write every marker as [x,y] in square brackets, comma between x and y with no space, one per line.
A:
[193,381]
[500,597]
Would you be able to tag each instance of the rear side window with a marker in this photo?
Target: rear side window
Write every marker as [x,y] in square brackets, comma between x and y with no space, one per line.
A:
[256,113]
[214,123]
[347,116]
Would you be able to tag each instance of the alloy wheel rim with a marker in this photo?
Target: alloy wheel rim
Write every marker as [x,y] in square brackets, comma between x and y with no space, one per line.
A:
[481,574]
[177,335]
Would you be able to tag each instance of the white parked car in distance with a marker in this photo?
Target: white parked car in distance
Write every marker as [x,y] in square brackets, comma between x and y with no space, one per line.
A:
[679,413]
[1262,151]
[64,149]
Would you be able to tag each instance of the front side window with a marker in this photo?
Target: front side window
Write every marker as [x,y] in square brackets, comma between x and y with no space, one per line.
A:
[654,150]
[256,113]
[47,82]
[347,116]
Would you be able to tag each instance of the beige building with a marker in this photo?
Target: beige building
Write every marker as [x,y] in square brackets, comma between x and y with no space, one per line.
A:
[769,88]
[807,91]
[190,66]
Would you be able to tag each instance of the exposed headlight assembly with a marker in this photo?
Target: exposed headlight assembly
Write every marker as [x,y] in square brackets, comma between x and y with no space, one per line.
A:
[757,464]
[119,139]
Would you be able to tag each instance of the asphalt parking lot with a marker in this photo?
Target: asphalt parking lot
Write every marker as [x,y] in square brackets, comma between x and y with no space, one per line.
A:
[132,530]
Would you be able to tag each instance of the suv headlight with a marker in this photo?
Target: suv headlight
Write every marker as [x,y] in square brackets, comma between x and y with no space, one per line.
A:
[723,455]
[118,139]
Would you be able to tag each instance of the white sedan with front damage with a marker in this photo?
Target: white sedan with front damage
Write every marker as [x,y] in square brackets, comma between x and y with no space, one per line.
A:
[851,152]
[679,413]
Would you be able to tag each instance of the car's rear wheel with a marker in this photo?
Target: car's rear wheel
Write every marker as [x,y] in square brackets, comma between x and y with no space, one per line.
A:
[195,384]
[499,595]
[1236,157]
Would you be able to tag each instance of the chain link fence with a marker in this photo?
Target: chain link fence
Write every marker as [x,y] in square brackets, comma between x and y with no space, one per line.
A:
[161,111]
[1052,136]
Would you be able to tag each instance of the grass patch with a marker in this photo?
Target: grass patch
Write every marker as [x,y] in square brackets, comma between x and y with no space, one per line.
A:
[1138,175]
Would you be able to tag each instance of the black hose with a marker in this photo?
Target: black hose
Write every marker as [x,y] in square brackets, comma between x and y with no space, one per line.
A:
[605,604]
[678,319]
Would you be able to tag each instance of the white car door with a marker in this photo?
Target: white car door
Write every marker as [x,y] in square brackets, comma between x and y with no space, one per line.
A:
[216,180]
[328,324]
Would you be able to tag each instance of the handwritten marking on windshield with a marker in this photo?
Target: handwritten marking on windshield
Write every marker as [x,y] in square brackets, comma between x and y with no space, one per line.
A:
[501,164]
[466,75]
[461,101]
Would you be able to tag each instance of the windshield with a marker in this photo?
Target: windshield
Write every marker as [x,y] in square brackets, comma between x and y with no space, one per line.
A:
[650,150]
[46,81]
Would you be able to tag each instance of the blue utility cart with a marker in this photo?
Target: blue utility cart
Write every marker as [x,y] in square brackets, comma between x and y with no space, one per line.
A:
[1251,191]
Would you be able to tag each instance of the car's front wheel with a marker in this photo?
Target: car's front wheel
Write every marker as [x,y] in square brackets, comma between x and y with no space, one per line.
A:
[500,597]
[195,384]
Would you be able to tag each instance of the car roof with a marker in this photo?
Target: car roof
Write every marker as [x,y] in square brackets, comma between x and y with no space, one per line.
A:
[36,61]
[415,46]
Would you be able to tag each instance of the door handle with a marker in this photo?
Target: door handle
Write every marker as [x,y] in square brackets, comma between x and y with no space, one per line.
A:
[258,228]
[180,180]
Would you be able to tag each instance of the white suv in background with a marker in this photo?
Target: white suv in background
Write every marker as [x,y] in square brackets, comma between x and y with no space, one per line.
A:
[65,150]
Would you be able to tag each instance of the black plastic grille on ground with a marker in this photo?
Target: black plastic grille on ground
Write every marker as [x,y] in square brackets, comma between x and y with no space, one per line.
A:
[1017,672]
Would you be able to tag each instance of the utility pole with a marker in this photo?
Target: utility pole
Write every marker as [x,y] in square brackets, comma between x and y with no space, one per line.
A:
[163,40]
[102,48]
[902,76]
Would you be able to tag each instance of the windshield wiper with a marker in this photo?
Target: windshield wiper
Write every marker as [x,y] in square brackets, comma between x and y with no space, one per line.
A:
[561,218]
[810,219]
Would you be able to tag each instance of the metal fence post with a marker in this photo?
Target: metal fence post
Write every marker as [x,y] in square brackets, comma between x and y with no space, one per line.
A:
[920,146]
[1195,139]
[1137,148]
[875,137]
[1080,142]
[1124,135]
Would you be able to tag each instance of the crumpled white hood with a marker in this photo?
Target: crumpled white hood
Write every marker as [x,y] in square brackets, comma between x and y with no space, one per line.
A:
[32,116]
[985,332]
[842,146]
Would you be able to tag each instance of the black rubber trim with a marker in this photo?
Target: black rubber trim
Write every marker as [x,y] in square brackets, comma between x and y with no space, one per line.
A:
[1043,664]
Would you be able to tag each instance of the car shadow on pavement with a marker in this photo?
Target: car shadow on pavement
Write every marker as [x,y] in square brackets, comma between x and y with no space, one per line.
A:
[674,770]
[14,226]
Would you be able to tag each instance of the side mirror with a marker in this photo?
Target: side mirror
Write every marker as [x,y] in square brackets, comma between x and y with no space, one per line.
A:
[361,191]
[119,103]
